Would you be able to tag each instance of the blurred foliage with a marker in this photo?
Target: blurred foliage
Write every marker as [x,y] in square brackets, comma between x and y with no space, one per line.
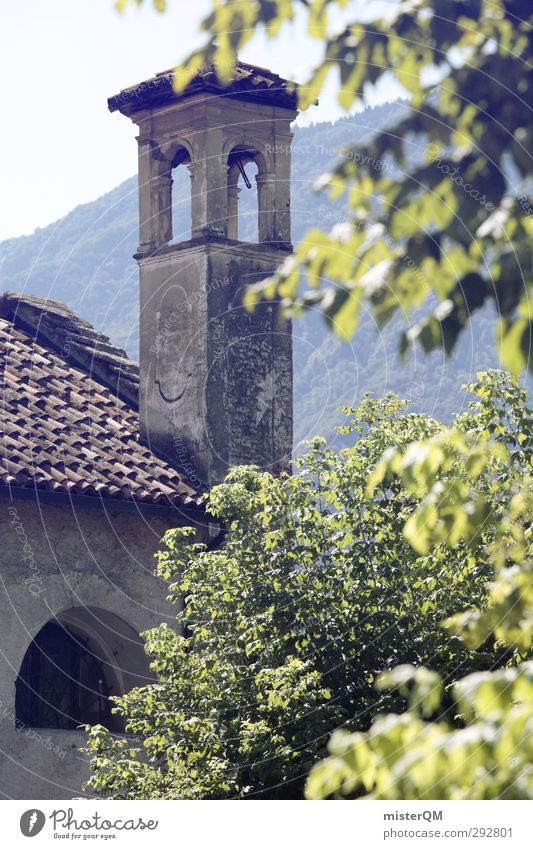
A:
[482,749]
[121,5]
[405,757]
[284,630]
[461,219]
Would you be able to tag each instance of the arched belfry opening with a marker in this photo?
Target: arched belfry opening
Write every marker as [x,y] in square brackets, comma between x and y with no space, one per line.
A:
[73,665]
[169,187]
[180,197]
[245,216]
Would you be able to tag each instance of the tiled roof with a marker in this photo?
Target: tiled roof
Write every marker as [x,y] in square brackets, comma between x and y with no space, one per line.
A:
[65,422]
[250,81]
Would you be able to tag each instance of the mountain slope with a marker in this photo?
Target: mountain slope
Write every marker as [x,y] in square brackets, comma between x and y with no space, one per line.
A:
[85,260]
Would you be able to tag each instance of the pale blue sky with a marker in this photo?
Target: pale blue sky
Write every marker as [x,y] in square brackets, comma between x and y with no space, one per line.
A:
[61,59]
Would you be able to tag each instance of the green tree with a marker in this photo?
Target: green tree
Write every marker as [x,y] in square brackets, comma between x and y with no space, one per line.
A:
[315,592]
[440,206]
[482,749]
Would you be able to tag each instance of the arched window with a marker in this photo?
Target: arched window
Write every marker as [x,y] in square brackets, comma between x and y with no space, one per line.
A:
[243,197]
[72,667]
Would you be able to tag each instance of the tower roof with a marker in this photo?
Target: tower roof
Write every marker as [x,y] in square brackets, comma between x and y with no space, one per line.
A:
[250,83]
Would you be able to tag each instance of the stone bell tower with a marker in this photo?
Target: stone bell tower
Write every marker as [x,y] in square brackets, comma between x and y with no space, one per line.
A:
[215,380]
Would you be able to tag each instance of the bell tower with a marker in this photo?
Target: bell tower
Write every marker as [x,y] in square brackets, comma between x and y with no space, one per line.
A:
[215,380]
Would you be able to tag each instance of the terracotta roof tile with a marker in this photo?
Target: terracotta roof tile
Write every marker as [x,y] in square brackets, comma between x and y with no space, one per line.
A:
[66,425]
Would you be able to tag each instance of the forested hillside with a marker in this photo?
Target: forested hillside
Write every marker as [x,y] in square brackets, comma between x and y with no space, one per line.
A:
[85,259]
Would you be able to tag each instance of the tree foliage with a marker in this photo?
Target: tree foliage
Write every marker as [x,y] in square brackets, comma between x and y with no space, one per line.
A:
[440,206]
[481,749]
[283,631]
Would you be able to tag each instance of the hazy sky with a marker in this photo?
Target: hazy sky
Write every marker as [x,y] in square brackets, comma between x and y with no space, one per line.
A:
[60,60]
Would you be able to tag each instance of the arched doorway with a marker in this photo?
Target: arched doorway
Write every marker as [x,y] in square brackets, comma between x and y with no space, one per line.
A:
[61,684]
[72,667]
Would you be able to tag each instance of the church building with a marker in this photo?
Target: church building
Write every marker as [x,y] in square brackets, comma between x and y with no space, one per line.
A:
[99,456]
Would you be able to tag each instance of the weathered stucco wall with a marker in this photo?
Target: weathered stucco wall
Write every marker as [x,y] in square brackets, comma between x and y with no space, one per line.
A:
[215,380]
[95,561]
